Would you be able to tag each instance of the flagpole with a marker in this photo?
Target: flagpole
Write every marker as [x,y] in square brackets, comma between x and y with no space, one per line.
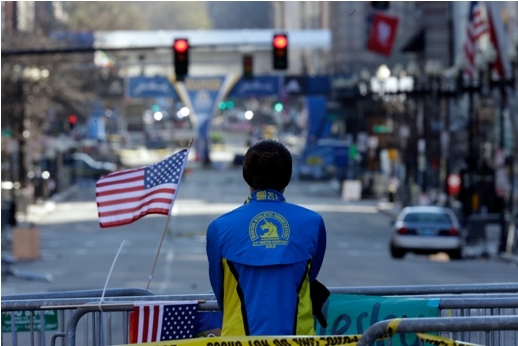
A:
[158,252]
[162,239]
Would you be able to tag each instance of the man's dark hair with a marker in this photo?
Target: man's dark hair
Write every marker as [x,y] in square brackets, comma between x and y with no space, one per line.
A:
[267,165]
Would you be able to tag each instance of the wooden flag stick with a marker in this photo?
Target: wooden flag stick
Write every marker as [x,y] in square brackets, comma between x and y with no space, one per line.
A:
[165,229]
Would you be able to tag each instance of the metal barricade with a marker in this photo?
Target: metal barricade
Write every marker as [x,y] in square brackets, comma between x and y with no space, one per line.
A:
[30,308]
[440,324]
[107,323]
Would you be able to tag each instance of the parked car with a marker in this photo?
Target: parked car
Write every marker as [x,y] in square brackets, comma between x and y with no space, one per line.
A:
[84,166]
[426,230]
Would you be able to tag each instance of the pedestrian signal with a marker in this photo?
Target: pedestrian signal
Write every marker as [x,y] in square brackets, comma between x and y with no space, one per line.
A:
[248,67]
[280,51]
[181,58]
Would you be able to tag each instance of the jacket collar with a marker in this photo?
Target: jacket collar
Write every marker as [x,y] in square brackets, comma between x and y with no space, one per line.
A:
[265,195]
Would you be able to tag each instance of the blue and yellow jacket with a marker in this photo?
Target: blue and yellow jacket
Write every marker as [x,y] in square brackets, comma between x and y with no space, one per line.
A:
[262,258]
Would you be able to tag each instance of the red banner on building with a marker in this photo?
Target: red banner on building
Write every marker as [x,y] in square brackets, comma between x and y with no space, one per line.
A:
[382,34]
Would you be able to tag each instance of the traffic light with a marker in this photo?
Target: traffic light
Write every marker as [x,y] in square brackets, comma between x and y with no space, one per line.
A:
[278,107]
[72,120]
[181,58]
[280,51]
[248,67]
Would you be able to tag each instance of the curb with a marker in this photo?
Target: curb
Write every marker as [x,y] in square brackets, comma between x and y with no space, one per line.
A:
[64,195]
[35,212]
[509,258]
[389,209]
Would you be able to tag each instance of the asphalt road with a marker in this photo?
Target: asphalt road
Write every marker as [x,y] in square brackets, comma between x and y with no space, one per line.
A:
[78,254]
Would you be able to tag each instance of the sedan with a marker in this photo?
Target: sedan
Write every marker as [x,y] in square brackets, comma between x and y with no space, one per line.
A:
[426,230]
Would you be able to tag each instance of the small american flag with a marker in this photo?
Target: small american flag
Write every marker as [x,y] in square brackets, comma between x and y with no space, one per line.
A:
[160,321]
[477,26]
[126,196]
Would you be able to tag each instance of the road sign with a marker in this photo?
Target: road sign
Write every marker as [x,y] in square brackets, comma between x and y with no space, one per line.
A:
[454,183]
[7,133]
[22,321]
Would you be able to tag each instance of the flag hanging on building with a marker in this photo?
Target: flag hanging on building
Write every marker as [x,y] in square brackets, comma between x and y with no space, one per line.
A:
[161,321]
[476,27]
[126,196]
[498,38]
[382,34]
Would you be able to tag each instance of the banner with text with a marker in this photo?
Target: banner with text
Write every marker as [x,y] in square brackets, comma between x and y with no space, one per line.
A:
[352,314]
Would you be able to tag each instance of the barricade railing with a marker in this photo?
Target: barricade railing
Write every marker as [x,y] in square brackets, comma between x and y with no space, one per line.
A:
[430,289]
[440,324]
[101,328]
[113,292]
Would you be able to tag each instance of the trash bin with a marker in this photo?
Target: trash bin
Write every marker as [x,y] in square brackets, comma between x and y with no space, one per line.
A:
[26,243]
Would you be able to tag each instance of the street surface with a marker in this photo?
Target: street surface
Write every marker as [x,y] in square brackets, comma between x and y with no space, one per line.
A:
[79,254]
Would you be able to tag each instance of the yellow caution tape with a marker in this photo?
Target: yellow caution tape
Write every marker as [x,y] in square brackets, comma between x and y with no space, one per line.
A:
[331,340]
[440,341]
[393,325]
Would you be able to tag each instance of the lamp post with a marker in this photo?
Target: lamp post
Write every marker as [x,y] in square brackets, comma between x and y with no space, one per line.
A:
[414,71]
[502,84]
[25,85]
[449,89]
[513,58]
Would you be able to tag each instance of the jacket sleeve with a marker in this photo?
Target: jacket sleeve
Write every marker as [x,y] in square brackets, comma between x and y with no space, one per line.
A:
[318,258]
[214,258]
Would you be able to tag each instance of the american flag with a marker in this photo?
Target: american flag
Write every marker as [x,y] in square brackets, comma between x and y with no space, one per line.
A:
[477,26]
[126,196]
[160,321]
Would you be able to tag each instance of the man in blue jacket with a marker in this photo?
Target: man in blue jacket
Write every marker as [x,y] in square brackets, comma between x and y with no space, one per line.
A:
[264,256]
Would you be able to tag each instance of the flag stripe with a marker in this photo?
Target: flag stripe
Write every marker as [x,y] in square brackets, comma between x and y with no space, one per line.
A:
[152,322]
[129,218]
[140,324]
[141,207]
[133,327]
[146,325]
[124,173]
[156,321]
[123,188]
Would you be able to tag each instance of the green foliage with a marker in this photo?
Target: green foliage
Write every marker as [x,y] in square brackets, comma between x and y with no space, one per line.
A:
[105,16]
[176,15]
[241,14]
[217,137]
[137,15]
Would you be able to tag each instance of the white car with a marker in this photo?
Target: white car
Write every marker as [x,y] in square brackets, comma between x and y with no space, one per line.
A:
[426,230]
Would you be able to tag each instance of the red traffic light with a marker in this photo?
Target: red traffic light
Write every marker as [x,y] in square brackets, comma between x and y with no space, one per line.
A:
[280,41]
[181,45]
[72,119]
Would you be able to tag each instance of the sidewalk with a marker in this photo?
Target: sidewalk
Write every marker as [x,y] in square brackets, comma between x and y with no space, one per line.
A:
[37,211]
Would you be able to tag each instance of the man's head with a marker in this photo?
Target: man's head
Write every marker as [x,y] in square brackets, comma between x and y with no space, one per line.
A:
[267,165]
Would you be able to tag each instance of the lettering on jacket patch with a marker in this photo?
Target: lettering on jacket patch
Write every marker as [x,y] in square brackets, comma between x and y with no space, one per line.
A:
[269,229]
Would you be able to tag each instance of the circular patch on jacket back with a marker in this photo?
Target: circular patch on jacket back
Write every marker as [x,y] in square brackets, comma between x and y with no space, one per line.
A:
[269,229]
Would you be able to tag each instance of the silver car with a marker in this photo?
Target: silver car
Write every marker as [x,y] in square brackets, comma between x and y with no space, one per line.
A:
[426,230]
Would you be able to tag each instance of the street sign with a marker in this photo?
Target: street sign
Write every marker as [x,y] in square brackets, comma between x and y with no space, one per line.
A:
[7,133]
[454,183]
[381,129]
[22,321]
